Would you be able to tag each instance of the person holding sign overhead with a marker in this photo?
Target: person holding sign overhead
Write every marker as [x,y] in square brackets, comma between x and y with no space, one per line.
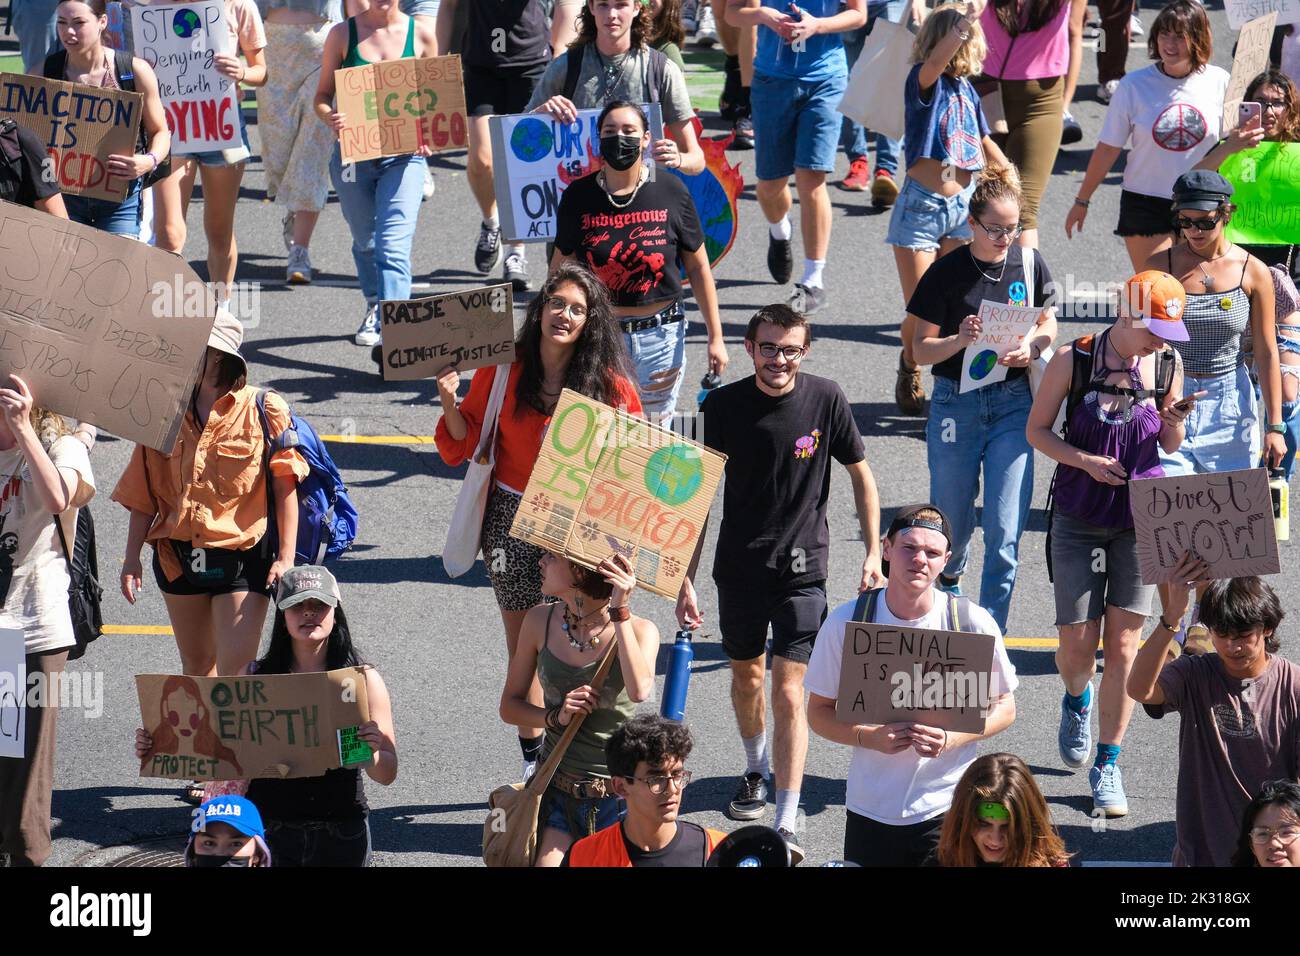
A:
[1123,395]
[983,428]
[569,339]
[638,232]
[903,773]
[380,198]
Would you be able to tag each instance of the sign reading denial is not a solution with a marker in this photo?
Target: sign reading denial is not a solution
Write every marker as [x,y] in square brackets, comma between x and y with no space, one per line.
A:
[608,482]
[395,107]
[227,728]
[467,329]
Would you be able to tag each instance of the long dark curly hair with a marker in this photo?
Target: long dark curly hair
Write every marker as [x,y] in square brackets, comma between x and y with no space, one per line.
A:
[599,359]
[1288,124]
[642,26]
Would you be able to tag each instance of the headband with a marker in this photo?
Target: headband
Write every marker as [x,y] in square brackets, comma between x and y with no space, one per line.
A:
[903,524]
[992,811]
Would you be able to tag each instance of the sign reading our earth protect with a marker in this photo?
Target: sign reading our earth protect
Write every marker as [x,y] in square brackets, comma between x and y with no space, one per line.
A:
[1003,328]
[608,482]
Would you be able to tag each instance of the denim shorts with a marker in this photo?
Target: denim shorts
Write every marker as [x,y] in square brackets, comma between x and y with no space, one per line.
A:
[796,124]
[117,218]
[217,157]
[921,218]
[659,357]
[1223,432]
[579,818]
[1085,586]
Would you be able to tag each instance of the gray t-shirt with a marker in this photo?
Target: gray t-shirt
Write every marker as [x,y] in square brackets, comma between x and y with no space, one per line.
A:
[1235,735]
[631,82]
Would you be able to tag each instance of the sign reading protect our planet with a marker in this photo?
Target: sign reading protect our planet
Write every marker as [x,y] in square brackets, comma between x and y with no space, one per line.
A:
[1003,328]
[395,107]
[535,158]
[608,482]
[1266,191]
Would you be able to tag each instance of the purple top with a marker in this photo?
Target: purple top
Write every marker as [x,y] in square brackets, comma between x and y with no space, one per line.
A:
[1132,440]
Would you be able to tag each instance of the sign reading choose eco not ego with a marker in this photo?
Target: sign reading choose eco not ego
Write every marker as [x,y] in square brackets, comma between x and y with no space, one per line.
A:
[395,107]
[607,482]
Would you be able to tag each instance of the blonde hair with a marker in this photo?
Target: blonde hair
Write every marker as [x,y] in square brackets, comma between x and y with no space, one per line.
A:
[996,182]
[49,426]
[969,58]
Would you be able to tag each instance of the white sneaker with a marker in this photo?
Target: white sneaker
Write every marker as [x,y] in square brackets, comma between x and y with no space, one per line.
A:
[1106,91]
[429,184]
[530,768]
[298,271]
[706,35]
[1135,26]
[368,334]
[288,231]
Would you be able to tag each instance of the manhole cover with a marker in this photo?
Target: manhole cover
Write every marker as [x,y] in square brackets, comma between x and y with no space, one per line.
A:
[158,851]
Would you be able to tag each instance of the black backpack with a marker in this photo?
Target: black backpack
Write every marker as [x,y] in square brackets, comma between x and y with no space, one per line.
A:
[573,69]
[84,592]
[56,65]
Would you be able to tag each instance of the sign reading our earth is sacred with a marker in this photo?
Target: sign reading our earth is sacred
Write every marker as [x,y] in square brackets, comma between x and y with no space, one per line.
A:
[535,158]
[608,482]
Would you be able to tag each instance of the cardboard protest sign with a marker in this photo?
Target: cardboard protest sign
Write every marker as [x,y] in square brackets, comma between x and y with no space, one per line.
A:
[608,482]
[13,692]
[535,158]
[1225,518]
[395,107]
[1241,12]
[102,328]
[1004,327]
[1250,60]
[1266,191]
[227,728]
[469,329]
[80,126]
[939,678]
[180,42]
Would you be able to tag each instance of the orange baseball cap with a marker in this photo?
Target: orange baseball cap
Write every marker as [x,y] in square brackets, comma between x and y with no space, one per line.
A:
[1158,299]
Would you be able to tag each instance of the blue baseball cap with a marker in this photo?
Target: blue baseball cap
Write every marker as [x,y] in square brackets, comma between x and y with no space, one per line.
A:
[234,811]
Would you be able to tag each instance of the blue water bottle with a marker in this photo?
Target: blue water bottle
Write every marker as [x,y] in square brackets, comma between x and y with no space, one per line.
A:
[679,676]
[707,384]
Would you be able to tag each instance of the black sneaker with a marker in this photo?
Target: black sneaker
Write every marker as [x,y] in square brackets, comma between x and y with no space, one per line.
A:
[742,133]
[1071,131]
[751,798]
[780,259]
[792,841]
[487,252]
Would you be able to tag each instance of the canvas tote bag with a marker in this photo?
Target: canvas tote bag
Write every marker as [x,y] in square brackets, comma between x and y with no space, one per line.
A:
[463,534]
[874,96]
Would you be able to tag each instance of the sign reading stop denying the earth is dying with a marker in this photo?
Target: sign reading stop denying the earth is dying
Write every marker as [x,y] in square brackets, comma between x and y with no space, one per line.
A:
[608,482]
[1003,328]
[395,107]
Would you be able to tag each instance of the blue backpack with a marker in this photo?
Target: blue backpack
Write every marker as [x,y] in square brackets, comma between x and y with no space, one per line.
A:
[327,519]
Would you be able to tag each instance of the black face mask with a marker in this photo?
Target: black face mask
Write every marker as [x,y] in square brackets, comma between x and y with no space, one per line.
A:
[211,862]
[620,151]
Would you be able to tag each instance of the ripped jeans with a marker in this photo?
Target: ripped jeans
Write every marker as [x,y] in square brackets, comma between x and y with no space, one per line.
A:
[659,357]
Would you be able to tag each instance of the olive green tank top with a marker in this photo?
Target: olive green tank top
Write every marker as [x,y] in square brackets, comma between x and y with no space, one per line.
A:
[355,59]
[586,754]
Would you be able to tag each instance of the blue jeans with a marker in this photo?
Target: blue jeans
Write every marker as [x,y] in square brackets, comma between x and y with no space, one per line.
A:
[119,218]
[984,428]
[33,24]
[381,202]
[659,357]
[853,137]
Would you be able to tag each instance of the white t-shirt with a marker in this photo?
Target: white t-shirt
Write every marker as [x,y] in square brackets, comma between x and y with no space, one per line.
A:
[903,788]
[1169,125]
[33,572]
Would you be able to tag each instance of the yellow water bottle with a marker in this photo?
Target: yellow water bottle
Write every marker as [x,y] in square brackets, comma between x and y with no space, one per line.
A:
[1277,487]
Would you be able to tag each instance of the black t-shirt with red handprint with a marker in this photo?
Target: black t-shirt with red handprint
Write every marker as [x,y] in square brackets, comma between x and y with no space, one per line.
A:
[634,250]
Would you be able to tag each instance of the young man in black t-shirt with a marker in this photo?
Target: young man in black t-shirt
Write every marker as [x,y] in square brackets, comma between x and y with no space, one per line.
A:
[26,176]
[779,429]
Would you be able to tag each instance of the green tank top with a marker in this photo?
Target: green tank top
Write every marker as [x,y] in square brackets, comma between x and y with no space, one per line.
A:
[586,754]
[355,59]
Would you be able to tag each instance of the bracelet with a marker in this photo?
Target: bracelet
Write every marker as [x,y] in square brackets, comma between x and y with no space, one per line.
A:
[1081,202]
[243,72]
[857,736]
[620,614]
[1171,628]
[154,158]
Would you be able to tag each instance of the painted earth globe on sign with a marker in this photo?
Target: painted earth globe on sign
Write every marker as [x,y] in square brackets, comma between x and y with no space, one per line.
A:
[531,140]
[186,23]
[983,363]
[714,209]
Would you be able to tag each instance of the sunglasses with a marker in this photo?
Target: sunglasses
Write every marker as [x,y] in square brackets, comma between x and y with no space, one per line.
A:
[1200,225]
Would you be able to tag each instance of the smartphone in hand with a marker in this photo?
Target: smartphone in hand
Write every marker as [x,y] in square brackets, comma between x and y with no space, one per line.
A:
[1249,115]
[1187,403]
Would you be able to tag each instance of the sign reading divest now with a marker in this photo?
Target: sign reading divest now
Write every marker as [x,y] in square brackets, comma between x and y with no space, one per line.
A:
[938,678]
[395,107]
[181,42]
[1225,518]
[80,126]
[608,482]
[1266,191]
[470,330]
[102,328]
[227,728]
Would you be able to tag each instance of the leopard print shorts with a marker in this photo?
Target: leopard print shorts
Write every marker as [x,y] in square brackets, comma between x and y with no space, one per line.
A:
[511,564]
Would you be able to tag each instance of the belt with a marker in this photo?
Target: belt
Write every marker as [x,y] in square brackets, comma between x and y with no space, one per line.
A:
[673,312]
[582,788]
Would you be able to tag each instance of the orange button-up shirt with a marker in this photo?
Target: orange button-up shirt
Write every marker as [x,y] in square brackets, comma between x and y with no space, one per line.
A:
[211,490]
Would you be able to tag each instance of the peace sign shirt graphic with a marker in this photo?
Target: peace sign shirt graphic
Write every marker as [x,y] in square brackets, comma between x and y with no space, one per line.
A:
[1179,127]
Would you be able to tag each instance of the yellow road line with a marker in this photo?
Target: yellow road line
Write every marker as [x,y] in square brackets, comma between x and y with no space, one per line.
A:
[380,439]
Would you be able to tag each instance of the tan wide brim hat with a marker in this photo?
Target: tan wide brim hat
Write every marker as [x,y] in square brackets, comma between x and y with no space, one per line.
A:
[227,335]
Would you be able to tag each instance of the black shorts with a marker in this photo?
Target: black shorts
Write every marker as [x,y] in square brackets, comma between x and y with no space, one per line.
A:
[868,842]
[795,615]
[500,92]
[1141,215]
[254,566]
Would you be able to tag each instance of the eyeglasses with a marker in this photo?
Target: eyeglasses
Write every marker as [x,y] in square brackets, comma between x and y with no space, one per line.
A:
[1002,232]
[657,783]
[576,312]
[1200,225]
[1276,105]
[1264,835]
[791,353]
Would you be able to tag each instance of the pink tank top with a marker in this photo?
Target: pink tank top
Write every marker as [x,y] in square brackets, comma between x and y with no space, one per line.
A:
[1039,55]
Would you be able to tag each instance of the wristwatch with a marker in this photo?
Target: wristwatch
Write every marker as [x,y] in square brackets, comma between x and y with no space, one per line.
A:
[1279,428]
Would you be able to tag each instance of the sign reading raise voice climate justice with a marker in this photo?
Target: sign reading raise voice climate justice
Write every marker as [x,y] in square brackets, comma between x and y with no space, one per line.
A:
[80,126]
[1266,191]
[608,482]
[1002,329]
[470,330]
[395,107]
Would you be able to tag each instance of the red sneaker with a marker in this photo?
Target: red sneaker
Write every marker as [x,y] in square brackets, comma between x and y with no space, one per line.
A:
[859,178]
[883,190]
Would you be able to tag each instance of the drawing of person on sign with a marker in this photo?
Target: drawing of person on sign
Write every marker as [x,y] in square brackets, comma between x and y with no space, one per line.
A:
[185,719]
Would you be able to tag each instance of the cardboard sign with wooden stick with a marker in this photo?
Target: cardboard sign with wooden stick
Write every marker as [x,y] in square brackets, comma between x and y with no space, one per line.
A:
[470,330]
[1250,60]
[892,674]
[608,482]
[102,328]
[229,728]
[395,107]
[1226,518]
[80,126]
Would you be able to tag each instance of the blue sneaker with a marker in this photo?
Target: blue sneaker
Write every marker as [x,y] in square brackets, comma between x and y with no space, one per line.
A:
[949,585]
[1107,791]
[1074,738]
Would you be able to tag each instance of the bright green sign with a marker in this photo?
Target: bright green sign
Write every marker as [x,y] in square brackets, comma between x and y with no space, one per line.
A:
[1266,183]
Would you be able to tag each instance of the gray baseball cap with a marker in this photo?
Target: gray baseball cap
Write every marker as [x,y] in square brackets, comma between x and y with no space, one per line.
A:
[305,583]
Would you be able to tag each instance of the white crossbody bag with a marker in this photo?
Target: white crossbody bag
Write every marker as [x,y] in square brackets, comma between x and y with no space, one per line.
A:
[466,529]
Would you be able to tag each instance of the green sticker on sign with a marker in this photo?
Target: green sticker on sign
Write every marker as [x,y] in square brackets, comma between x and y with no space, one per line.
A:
[352,749]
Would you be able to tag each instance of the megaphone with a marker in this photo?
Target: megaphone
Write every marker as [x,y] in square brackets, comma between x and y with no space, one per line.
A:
[751,846]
